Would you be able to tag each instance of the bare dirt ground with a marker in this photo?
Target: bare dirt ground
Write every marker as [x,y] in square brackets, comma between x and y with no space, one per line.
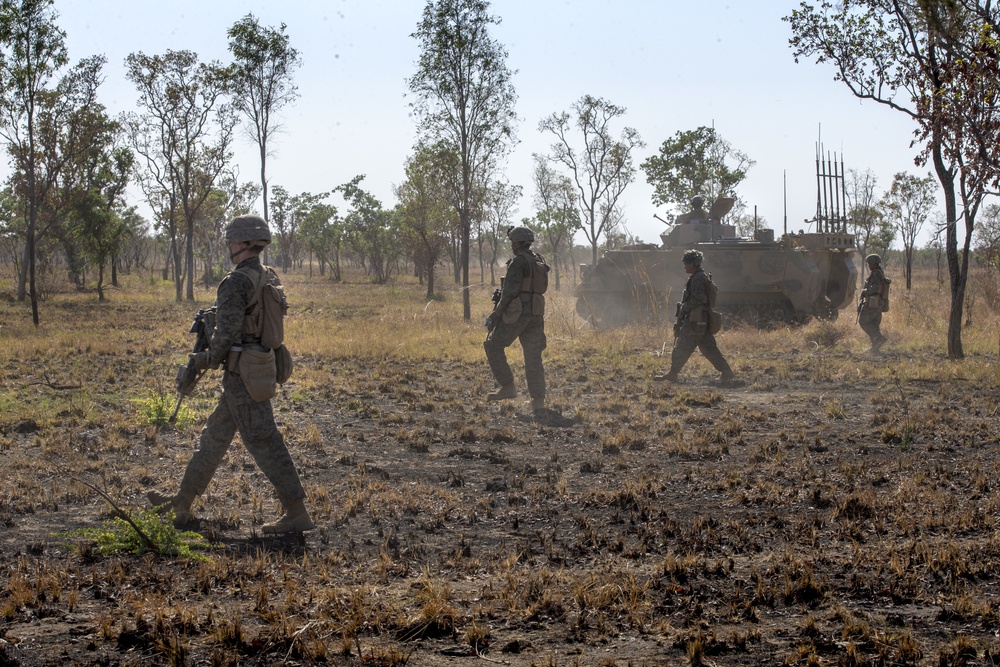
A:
[820,514]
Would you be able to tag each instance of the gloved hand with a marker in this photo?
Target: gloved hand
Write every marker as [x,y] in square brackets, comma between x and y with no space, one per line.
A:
[490,323]
[201,360]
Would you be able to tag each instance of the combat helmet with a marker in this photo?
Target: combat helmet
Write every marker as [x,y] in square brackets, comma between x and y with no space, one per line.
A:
[521,234]
[698,201]
[873,258]
[693,257]
[248,228]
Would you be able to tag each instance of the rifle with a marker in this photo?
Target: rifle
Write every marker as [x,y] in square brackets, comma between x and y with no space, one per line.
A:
[862,302]
[677,323]
[188,375]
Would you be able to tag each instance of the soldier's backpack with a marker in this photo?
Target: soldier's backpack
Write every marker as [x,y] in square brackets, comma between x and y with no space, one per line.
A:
[885,294]
[267,309]
[266,318]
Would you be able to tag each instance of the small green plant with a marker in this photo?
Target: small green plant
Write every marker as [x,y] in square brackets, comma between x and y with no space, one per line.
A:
[157,408]
[119,536]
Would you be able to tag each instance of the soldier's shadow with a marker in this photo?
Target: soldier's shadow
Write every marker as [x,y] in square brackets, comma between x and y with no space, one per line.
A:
[290,544]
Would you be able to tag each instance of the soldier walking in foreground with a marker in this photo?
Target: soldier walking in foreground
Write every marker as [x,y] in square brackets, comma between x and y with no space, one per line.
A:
[691,331]
[237,411]
[874,303]
[519,314]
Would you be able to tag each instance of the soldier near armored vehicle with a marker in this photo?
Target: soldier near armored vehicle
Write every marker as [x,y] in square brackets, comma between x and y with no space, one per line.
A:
[519,314]
[237,410]
[696,214]
[873,303]
[693,329]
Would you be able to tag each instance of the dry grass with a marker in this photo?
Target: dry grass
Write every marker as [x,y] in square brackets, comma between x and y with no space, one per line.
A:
[838,509]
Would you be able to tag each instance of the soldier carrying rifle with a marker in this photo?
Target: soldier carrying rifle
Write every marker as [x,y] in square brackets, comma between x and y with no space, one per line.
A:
[694,328]
[237,343]
[874,301]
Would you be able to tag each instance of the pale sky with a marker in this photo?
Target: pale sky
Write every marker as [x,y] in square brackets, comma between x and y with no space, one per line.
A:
[674,65]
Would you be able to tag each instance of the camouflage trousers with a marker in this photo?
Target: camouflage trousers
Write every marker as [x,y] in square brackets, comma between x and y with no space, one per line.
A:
[692,337]
[530,330]
[237,412]
[870,320]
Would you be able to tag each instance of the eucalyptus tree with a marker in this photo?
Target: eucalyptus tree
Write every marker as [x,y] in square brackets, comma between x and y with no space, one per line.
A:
[695,162]
[908,205]
[32,50]
[500,203]
[261,83]
[74,140]
[556,215]
[322,232]
[426,207]
[464,98]
[372,231]
[600,168]
[182,135]
[936,62]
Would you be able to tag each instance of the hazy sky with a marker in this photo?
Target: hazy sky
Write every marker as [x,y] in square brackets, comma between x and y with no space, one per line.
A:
[674,65]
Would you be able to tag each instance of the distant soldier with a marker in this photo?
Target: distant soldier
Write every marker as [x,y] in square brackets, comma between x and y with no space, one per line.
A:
[696,214]
[519,314]
[691,331]
[873,303]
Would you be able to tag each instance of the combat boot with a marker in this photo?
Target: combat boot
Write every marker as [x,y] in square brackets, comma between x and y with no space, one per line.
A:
[879,342]
[538,404]
[504,392]
[670,376]
[183,516]
[295,520]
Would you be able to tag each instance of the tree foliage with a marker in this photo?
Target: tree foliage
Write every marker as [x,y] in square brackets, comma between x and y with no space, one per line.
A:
[908,205]
[260,80]
[32,50]
[695,162]
[183,136]
[427,213]
[601,169]
[464,97]
[934,62]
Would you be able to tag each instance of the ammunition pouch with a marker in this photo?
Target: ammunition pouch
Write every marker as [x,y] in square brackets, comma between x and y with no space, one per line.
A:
[538,305]
[512,313]
[282,364]
[259,373]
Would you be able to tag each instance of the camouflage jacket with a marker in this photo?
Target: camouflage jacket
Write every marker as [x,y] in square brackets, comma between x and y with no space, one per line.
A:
[695,293]
[518,268]
[231,303]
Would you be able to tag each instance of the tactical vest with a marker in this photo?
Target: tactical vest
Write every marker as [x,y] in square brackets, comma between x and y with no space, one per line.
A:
[537,280]
[264,320]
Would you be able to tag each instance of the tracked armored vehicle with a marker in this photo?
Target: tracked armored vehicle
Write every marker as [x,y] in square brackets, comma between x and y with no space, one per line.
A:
[762,281]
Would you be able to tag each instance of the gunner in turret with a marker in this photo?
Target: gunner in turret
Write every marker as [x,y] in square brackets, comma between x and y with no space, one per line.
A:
[696,214]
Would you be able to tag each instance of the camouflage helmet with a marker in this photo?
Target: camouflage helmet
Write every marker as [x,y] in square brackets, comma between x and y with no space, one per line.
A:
[248,228]
[698,201]
[520,234]
[693,257]
[873,258]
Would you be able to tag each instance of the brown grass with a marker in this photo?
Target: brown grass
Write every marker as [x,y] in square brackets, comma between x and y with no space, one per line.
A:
[838,509]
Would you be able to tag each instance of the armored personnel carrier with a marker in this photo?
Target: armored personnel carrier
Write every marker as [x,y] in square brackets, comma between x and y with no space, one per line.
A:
[762,281]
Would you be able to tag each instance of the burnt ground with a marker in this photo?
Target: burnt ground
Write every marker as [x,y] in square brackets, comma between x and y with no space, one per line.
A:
[802,518]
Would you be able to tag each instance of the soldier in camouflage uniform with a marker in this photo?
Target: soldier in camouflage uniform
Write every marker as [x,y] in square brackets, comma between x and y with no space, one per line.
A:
[691,329]
[870,317]
[237,411]
[526,273]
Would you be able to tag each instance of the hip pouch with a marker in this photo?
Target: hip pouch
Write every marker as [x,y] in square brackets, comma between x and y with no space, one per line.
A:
[538,305]
[259,373]
[512,313]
